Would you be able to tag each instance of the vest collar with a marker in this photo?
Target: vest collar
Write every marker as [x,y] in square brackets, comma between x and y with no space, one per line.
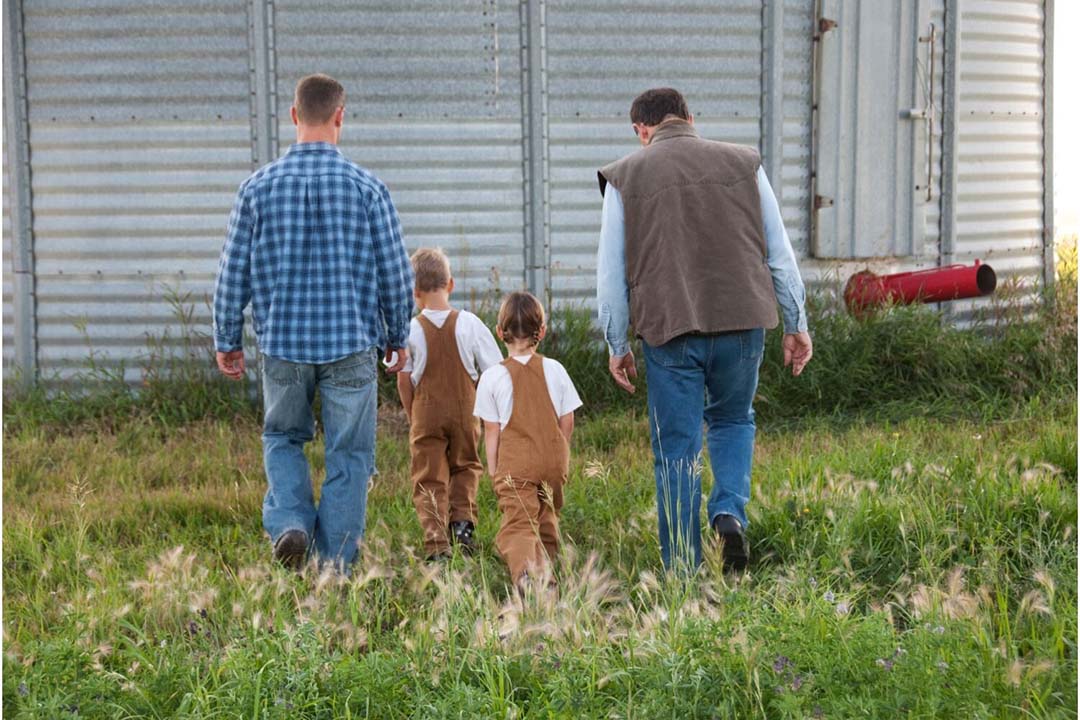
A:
[672,129]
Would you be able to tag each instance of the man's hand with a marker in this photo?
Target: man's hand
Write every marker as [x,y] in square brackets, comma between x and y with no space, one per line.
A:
[402,356]
[798,349]
[622,368]
[231,364]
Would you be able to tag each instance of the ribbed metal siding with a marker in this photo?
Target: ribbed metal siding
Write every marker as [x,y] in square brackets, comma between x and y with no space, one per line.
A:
[798,95]
[139,135]
[433,103]
[1000,152]
[8,279]
[600,57]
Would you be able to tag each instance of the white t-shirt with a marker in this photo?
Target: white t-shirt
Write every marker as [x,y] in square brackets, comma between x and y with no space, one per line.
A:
[495,393]
[476,345]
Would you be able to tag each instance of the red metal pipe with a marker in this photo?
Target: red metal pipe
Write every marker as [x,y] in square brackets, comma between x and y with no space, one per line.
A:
[866,290]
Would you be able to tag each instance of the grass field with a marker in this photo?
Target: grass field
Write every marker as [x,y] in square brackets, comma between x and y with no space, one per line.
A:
[917,569]
[913,533]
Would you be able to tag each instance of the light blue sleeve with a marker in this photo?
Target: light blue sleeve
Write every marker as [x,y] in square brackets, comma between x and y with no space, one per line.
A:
[612,293]
[787,282]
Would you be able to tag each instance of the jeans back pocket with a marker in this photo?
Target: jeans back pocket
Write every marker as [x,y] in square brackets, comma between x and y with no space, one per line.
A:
[280,372]
[354,371]
[670,354]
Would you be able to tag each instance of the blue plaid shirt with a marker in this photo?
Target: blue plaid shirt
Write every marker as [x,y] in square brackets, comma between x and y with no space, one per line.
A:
[314,244]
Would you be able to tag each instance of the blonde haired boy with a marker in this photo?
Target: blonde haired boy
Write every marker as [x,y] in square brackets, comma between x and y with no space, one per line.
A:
[448,349]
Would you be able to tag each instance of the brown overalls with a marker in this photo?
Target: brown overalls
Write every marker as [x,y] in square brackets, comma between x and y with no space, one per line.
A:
[446,465]
[532,466]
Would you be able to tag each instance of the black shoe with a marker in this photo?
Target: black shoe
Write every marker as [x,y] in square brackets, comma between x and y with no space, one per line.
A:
[729,531]
[461,532]
[291,549]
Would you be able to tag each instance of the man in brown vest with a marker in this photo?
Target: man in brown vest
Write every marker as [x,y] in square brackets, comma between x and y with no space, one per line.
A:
[693,252]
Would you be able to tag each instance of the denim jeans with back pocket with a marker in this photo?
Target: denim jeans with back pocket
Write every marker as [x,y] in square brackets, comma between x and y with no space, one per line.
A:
[695,378]
[348,392]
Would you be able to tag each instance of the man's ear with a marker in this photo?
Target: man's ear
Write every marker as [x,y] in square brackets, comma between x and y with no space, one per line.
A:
[294,116]
[691,120]
[339,116]
[450,286]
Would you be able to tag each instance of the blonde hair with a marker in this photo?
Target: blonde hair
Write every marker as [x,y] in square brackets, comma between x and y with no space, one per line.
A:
[431,268]
[521,317]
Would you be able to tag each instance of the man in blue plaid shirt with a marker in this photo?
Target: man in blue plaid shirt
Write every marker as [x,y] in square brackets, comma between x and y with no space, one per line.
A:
[314,244]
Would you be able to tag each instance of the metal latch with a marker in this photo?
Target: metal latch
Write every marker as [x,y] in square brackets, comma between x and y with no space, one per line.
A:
[820,201]
[824,25]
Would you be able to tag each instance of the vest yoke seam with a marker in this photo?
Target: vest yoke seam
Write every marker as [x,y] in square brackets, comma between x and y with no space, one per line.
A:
[709,183]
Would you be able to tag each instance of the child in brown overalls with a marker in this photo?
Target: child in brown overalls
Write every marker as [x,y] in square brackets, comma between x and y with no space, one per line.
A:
[448,349]
[527,403]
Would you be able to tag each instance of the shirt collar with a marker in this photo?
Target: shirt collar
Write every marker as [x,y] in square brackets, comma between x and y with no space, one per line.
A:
[310,147]
[672,129]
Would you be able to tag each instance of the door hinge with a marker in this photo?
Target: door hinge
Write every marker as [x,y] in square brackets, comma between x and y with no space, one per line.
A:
[824,25]
[820,201]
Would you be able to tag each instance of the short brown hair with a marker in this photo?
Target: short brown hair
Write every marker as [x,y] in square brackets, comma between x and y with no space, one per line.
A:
[317,99]
[652,106]
[521,317]
[431,268]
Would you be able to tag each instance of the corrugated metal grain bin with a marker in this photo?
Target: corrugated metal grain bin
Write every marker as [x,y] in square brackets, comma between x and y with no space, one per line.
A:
[894,140]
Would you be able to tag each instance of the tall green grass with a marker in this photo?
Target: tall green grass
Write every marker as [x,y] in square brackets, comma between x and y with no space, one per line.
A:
[917,559]
[899,362]
[922,569]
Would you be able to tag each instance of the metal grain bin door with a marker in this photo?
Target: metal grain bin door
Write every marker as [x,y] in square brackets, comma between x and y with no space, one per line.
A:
[873,108]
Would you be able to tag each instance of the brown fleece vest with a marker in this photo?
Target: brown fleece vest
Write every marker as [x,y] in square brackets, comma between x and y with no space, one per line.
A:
[443,438]
[533,463]
[695,241]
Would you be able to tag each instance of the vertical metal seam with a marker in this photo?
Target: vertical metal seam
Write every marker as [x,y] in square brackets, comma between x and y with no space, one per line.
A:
[262,66]
[534,116]
[772,95]
[17,140]
[813,245]
[263,73]
[1049,268]
[950,130]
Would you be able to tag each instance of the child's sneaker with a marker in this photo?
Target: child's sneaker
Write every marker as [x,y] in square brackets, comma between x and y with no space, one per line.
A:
[461,532]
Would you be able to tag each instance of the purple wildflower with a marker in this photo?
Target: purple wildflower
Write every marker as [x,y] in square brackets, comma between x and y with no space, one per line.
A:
[829,597]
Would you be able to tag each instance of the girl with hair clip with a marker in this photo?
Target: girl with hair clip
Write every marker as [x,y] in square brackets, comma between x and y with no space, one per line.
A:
[527,404]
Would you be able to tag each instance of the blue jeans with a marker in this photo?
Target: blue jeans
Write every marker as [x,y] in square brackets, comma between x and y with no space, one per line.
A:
[348,391]
[694,378]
